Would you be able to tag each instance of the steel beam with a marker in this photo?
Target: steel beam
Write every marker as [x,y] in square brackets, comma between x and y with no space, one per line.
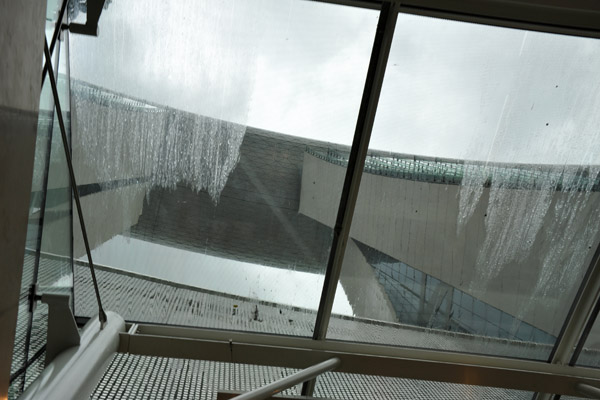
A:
[294,352]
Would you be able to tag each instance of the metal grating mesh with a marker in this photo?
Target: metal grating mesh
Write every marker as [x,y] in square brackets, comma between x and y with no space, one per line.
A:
[141,377]
[143,299]
[34,370]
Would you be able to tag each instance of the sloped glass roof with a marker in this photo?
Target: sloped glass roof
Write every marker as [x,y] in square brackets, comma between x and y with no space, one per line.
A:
[496,243]
[317,170]
[187,148]
[207,200]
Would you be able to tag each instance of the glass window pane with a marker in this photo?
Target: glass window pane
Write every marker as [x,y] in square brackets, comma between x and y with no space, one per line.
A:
[47,259]
[590,354]
[56,268]
[193,129]
[482,176]
[52,15]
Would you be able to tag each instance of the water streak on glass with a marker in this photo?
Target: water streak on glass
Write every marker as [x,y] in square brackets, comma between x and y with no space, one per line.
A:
[477,213]
[193,126]
[48,257]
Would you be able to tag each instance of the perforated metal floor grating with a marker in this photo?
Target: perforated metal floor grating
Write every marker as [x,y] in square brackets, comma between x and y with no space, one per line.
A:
[144,377]
[144,299]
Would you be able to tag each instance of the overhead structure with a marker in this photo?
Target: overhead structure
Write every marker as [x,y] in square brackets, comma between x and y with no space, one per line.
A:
[325,247]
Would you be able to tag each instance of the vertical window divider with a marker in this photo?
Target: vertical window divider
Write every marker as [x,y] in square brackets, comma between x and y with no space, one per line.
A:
[579,319]
[356,162]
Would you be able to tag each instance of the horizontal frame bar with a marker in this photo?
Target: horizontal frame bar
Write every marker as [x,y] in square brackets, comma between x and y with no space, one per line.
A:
[358,358]
[574,17]
[356,162]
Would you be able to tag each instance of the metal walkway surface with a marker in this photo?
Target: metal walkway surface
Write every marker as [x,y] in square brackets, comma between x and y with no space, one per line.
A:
[144,377]
[139,298]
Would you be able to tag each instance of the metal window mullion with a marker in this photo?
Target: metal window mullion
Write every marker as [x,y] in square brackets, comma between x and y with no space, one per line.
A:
[579,318]
[356,162]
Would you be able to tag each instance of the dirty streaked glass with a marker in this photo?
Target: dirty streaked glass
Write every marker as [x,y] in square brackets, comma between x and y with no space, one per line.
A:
[192,128]
[477,213]
[590,353]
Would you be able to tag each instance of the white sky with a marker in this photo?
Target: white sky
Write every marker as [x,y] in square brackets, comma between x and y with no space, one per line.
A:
[283,286]
[298,67]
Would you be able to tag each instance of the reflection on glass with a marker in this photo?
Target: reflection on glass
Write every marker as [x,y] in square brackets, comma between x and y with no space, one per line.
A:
[47,260]
[476,216]
[34,232]
[55,270]
[186,182]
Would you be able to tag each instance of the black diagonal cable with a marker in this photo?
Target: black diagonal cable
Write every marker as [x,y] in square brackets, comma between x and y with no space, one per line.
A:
[26,365]
[57,29]
[101,313]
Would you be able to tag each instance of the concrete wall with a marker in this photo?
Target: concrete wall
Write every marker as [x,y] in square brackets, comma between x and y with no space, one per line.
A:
[416,223]
[21,49]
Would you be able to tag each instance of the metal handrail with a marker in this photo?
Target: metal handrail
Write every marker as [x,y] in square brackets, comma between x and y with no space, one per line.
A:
[299,377]
[588,390]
